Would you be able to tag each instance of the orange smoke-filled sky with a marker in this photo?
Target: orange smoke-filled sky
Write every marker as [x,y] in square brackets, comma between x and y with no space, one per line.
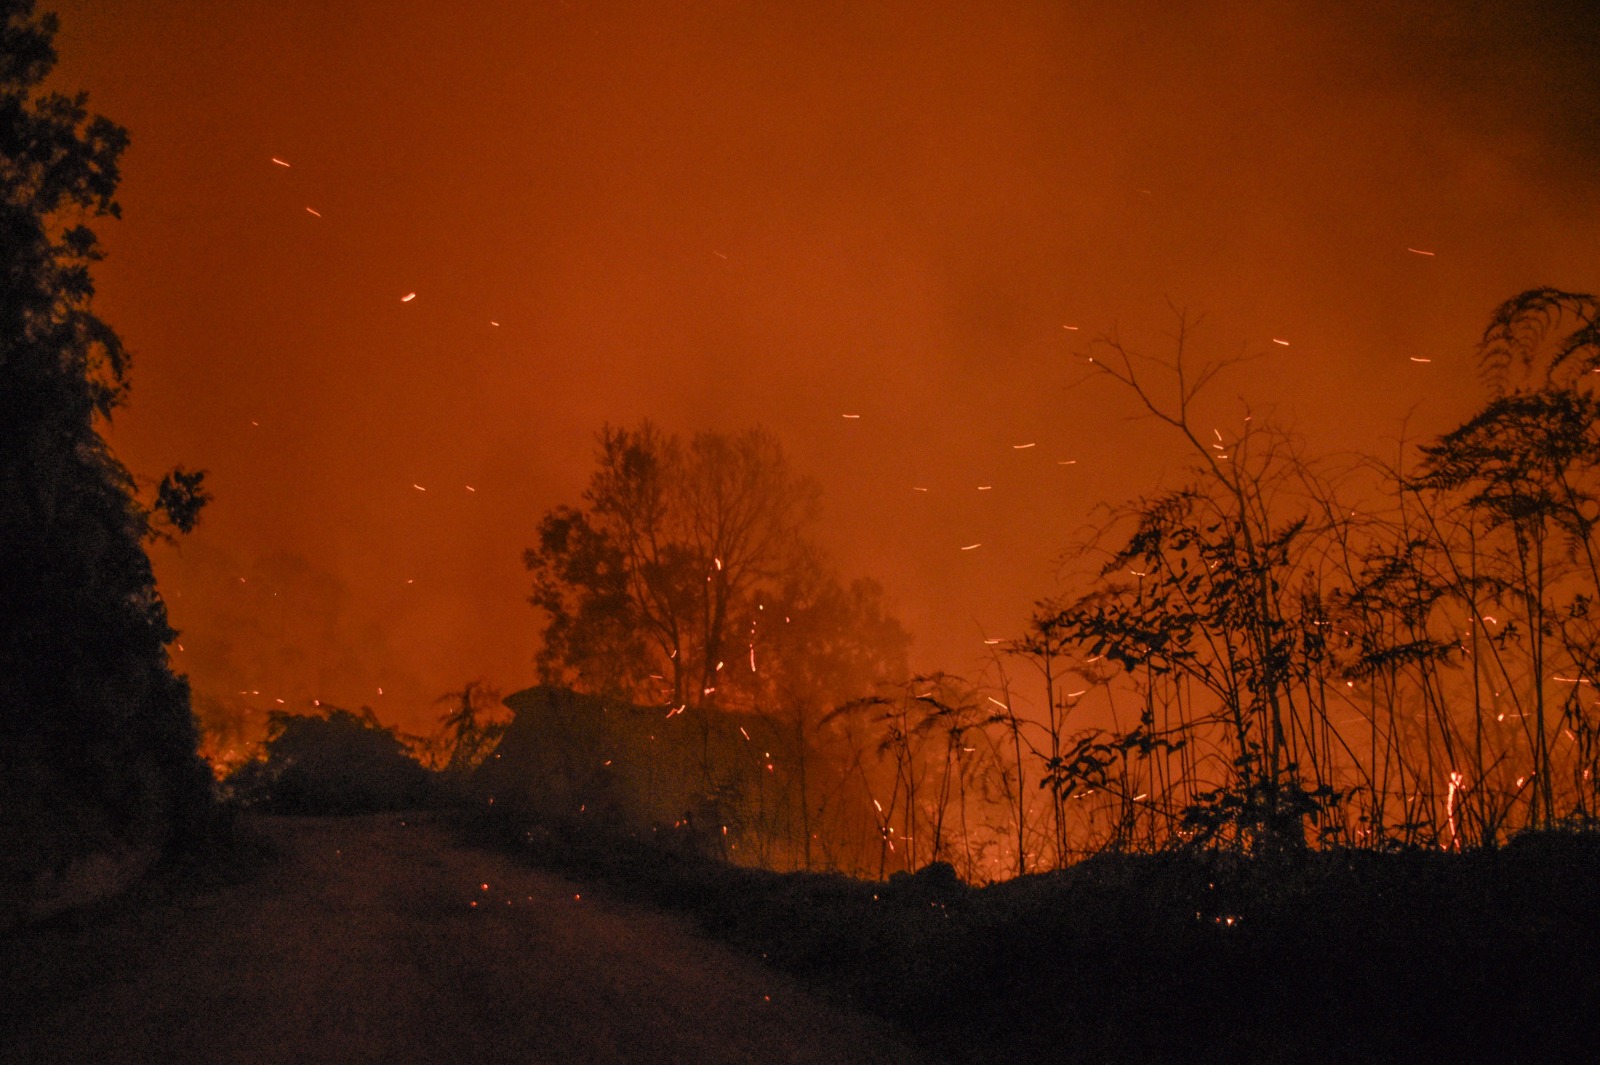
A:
[725,214]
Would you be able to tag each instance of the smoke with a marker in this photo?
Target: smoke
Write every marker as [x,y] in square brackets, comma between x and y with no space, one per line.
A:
[275,632]
[723,215]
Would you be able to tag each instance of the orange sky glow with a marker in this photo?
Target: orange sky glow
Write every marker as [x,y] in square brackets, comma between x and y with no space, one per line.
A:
[385,269]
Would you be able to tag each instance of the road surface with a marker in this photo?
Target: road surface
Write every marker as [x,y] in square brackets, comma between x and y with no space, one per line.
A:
[380,939]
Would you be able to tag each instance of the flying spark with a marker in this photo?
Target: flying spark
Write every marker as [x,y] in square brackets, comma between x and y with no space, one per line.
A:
[280,162]
[850,416]
[1275,340]
[1020,447]
[408,297]
[1419,251]
[1418,358]
[313,211]
[971,547]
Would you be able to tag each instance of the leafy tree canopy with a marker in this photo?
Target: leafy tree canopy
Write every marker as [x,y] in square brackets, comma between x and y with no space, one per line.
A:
[95,730]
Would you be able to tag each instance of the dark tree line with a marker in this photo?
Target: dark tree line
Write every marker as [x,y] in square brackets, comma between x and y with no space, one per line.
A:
[1280,652]
[97,743]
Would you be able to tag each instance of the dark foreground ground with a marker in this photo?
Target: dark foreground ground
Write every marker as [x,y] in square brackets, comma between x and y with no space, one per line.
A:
[1332,957]
[375,939]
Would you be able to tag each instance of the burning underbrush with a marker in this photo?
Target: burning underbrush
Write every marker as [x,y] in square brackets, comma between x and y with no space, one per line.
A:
[1194,957]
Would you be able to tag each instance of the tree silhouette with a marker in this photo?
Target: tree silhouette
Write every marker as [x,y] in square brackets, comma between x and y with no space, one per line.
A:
[644,589]
[97,743]
[1524,474]
[688,583]
[1207,583]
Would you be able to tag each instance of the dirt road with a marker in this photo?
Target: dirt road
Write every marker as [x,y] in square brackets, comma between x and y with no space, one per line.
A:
[378,939]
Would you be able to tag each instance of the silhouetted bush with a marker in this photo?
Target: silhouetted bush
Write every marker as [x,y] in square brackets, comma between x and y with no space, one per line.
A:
[336,762]
[604,763]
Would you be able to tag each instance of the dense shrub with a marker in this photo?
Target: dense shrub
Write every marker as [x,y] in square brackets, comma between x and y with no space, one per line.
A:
[611,766]
[335,762]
